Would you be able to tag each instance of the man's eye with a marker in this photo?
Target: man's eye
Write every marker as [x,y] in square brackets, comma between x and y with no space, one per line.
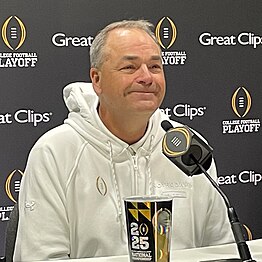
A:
[128,68]
[155,68]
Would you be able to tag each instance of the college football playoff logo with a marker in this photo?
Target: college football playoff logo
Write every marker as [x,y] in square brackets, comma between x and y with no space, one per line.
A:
[166,32]
[13,32]
[241,102]
[176,141]
[12,184]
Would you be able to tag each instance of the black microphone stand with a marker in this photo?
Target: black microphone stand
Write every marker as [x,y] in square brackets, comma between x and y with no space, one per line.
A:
[243,249]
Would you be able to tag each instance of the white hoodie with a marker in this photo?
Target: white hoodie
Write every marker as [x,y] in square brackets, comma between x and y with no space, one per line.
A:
[71,197]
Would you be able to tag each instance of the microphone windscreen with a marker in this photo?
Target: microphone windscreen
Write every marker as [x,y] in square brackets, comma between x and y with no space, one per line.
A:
[183,147]
[194,150]
[166,125]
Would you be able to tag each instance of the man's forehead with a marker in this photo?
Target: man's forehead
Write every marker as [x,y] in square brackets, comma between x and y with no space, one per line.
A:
[119,35]
[132,44]
[122,31]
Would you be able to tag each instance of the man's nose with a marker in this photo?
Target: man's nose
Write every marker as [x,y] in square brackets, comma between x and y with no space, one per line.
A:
[145,76]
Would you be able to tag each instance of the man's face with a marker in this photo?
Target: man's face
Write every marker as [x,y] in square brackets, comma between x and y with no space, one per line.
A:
[131,79]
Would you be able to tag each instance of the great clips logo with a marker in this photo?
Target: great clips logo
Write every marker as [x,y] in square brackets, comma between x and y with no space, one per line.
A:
[25,116]
[185,110]
[243,39]
[243,177]
[13,33]
[166,34]
[241,102]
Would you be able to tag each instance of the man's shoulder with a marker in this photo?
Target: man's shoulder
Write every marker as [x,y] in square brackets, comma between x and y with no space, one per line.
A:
[62,136]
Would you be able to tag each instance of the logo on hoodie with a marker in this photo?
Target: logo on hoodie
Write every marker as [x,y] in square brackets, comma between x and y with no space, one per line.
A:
[14,34]
[101,186]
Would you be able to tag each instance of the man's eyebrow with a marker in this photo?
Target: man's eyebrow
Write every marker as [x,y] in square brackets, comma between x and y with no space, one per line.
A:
[156,57]
[133,57]
[129,57]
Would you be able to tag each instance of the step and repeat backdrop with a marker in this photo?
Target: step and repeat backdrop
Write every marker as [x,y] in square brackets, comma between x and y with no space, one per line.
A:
[211,52]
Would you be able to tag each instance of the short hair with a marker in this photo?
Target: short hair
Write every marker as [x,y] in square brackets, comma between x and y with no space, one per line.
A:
[98,44]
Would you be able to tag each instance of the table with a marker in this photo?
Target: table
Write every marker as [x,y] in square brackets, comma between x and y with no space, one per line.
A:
[194,254]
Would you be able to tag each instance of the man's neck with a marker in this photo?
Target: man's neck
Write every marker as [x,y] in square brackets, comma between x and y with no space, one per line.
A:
[130,130]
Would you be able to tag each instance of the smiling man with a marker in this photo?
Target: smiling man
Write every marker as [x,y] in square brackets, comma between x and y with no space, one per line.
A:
[130,82]
[108,148]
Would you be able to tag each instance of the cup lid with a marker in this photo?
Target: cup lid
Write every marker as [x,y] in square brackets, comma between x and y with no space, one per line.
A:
[147,198]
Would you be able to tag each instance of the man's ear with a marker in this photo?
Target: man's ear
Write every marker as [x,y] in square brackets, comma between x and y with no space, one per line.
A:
[95,77]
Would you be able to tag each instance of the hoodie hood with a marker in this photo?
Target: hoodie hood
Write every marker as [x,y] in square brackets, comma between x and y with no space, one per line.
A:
[82,102]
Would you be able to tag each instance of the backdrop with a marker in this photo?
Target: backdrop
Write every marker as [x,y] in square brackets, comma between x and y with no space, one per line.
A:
[211,52]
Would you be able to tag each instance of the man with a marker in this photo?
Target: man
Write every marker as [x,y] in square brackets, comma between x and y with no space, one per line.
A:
[71,198]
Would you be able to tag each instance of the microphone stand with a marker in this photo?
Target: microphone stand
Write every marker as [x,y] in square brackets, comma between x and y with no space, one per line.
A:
[243,249]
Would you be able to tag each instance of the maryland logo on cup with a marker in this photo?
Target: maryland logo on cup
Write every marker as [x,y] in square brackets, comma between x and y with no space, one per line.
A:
[148,228]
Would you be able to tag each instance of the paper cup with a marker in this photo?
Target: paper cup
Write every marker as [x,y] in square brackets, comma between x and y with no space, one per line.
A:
[148,221]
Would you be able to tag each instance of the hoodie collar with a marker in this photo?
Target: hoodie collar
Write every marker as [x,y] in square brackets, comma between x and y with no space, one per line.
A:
[82,102]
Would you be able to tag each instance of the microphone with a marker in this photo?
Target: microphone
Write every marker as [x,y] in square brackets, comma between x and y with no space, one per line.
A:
[179,143]
[194,156]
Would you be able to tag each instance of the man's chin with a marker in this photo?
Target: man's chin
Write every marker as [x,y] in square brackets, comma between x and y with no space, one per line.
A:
[146,108]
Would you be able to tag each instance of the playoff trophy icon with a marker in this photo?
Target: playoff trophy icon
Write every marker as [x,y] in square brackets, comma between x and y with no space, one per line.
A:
[162,224]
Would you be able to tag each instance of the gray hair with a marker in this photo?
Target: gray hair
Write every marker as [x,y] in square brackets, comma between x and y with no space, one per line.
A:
[97,47]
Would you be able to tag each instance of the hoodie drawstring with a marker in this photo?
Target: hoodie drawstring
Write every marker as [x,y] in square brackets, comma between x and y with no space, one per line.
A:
[148,170]
[120,217]
[119,205]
